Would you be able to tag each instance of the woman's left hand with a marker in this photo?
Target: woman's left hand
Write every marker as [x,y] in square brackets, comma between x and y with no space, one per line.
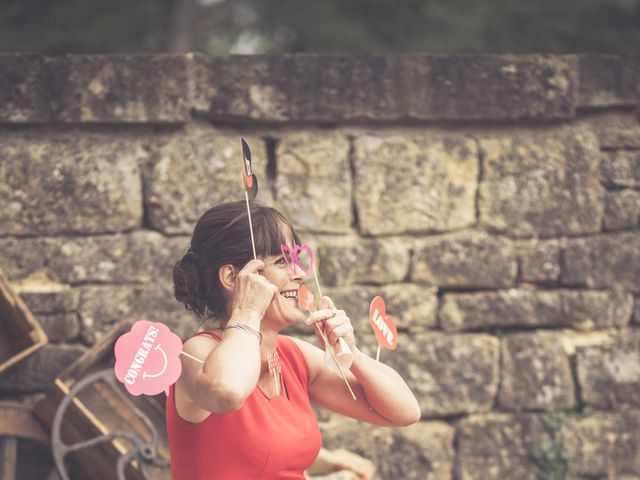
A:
[336,323]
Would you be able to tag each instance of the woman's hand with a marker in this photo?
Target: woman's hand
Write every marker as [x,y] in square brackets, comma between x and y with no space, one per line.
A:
[336,323]
[382,396]
[252,292]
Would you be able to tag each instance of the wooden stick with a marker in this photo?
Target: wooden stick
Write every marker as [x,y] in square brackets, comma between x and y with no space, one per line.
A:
[328,347]
[192,357]
[315,276]
[324,338]
[253,242]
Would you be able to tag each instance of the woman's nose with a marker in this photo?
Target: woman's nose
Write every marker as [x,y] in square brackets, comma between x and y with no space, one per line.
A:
[298,272]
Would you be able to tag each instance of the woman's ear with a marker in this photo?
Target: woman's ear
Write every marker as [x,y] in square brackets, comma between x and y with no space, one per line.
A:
[227,276]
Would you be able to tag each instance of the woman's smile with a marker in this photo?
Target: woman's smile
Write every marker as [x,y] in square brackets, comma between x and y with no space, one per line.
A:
[291,294]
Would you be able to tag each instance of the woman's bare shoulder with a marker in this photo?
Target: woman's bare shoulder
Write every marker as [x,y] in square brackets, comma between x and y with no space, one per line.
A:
[202,343]
[305,346]
[312,356]
[198,346]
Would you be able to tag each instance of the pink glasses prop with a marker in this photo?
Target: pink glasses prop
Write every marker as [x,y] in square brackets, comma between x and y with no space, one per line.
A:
[299,256]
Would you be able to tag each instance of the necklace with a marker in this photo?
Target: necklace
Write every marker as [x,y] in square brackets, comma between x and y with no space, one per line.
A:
[275,370]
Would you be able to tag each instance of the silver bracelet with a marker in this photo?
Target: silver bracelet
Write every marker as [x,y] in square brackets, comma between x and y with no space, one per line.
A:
[246,328]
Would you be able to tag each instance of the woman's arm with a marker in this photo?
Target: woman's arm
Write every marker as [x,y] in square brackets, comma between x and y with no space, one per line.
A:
[230,371]
[232,367]
[383,397]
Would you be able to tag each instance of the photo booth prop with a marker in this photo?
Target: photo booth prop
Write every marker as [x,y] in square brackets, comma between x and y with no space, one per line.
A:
[98,430]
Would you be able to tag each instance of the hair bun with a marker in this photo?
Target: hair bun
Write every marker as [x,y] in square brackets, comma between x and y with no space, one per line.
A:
[186,284]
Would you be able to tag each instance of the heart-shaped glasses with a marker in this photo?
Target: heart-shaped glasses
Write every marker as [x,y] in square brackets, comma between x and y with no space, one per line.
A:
[299,256]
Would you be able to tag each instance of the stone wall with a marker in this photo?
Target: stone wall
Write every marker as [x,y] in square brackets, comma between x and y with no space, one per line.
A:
[494,201]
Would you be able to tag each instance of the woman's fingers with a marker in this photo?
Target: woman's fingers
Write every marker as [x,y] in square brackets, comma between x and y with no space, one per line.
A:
[317,319]
[253,291]
[252,266]
[250,274]
[335,324]
[343,330]
[319,316]
[326,302]
[338,326]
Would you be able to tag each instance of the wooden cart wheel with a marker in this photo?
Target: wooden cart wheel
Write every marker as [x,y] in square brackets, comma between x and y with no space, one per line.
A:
[17,422]
[146,453]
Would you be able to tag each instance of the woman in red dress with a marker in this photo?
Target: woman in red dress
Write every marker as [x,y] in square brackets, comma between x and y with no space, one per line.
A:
[234,417]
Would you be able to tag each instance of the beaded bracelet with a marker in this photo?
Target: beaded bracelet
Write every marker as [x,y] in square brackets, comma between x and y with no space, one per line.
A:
[246,328]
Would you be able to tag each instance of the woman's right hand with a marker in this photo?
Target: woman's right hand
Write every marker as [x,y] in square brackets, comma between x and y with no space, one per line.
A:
[252,292]
[232,365]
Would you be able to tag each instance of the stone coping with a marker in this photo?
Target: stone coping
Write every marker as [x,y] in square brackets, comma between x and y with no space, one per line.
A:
[318,88]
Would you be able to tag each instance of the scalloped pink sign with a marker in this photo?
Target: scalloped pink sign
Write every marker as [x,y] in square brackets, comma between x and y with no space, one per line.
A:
[148,358]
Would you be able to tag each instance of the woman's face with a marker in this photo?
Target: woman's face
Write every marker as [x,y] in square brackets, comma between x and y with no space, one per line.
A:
[284,306]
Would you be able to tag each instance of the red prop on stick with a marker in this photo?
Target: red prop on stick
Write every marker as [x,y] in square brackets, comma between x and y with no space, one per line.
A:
[305,298]
[301,256]
[305,302]
[383,326]
[250,187]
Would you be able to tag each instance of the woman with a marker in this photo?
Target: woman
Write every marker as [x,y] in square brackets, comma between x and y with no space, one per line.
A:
[231,417]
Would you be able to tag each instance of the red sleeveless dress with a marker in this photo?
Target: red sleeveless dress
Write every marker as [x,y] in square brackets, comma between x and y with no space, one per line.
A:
[275,438]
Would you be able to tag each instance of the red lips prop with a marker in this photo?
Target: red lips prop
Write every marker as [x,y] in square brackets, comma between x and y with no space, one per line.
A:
[305,298]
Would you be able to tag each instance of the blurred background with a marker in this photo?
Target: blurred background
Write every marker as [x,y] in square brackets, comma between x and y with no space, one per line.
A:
[354,26]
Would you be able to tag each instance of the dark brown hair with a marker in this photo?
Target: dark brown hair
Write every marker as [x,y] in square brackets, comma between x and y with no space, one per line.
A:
[221,237]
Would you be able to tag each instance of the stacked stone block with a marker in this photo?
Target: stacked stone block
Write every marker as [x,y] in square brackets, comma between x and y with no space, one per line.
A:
[494,201]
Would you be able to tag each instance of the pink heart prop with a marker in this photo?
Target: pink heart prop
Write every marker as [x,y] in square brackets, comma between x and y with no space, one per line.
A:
[383,325]
[294,259]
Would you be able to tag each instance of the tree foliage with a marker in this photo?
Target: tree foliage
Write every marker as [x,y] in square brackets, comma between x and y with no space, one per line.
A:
[341,26]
